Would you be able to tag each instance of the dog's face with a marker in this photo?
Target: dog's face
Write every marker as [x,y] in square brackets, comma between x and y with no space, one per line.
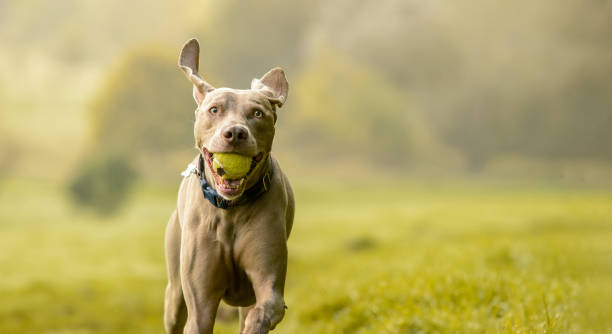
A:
[233,120]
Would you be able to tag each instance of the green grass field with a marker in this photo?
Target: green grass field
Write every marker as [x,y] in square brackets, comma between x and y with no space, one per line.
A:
[363,259]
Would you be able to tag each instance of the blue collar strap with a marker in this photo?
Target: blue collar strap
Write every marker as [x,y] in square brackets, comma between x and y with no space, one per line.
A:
[251,194]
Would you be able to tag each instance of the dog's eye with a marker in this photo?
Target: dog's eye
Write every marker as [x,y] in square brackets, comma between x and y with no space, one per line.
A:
[257,113]
[213,110]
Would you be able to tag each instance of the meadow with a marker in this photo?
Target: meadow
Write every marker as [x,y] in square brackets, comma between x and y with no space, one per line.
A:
[408,257]
[452,160]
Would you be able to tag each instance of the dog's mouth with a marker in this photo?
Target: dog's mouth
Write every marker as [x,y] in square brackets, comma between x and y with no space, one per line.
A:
[225,186]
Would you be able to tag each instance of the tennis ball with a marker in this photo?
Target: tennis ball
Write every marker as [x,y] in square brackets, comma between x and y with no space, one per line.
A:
[234,166]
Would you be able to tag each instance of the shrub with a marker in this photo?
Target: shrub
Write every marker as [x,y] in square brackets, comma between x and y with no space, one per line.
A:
[103,184]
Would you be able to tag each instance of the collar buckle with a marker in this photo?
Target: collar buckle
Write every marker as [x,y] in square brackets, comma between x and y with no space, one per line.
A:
[266,180]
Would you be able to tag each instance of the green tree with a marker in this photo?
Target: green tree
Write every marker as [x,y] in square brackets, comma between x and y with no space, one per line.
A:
[143,107]
[347,111]
[141,117]
[244,39]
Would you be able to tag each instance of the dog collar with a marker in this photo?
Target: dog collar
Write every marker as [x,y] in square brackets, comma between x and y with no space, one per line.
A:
[251,194]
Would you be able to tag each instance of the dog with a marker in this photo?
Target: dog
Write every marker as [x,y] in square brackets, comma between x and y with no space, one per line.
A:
[227,240]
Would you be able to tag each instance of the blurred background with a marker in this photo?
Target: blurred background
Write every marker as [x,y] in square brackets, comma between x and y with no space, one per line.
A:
[452,161]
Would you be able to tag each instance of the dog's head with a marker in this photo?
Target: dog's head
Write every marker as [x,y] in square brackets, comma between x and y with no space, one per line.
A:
[234,120]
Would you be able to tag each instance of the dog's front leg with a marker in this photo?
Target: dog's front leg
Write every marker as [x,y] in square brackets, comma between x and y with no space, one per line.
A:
[202,278]
[175,312]
[267,275]
[242,314]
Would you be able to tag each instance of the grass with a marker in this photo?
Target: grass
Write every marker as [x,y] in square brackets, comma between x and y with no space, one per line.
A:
[413,258]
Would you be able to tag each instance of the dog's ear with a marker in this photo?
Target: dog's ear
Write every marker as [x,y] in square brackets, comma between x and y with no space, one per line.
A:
[273,85]
[189,62]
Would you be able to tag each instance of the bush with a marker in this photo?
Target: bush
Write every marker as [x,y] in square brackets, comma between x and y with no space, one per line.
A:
[103,184]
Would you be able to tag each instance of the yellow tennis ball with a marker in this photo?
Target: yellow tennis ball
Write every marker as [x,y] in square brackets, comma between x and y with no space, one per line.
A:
[234,166]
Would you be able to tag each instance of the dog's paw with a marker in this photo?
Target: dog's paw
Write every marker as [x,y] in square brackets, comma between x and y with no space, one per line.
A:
[256,322]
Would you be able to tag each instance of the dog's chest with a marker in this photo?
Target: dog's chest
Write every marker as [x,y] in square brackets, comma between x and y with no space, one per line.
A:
[226,228]
[228,231]
[225,231]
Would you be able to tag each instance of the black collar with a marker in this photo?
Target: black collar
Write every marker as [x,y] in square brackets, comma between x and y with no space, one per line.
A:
[251,194]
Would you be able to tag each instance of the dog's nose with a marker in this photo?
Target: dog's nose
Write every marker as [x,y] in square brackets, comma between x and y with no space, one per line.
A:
[235,134]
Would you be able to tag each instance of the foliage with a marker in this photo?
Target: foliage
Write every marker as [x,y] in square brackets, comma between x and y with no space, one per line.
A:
[489,86]
[103,184]
[143,107]
[244,39]
[487,79]
[577,118]
[360,111]
[140,118]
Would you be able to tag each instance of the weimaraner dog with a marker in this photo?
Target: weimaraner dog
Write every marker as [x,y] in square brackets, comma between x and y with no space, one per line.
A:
[227,239]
